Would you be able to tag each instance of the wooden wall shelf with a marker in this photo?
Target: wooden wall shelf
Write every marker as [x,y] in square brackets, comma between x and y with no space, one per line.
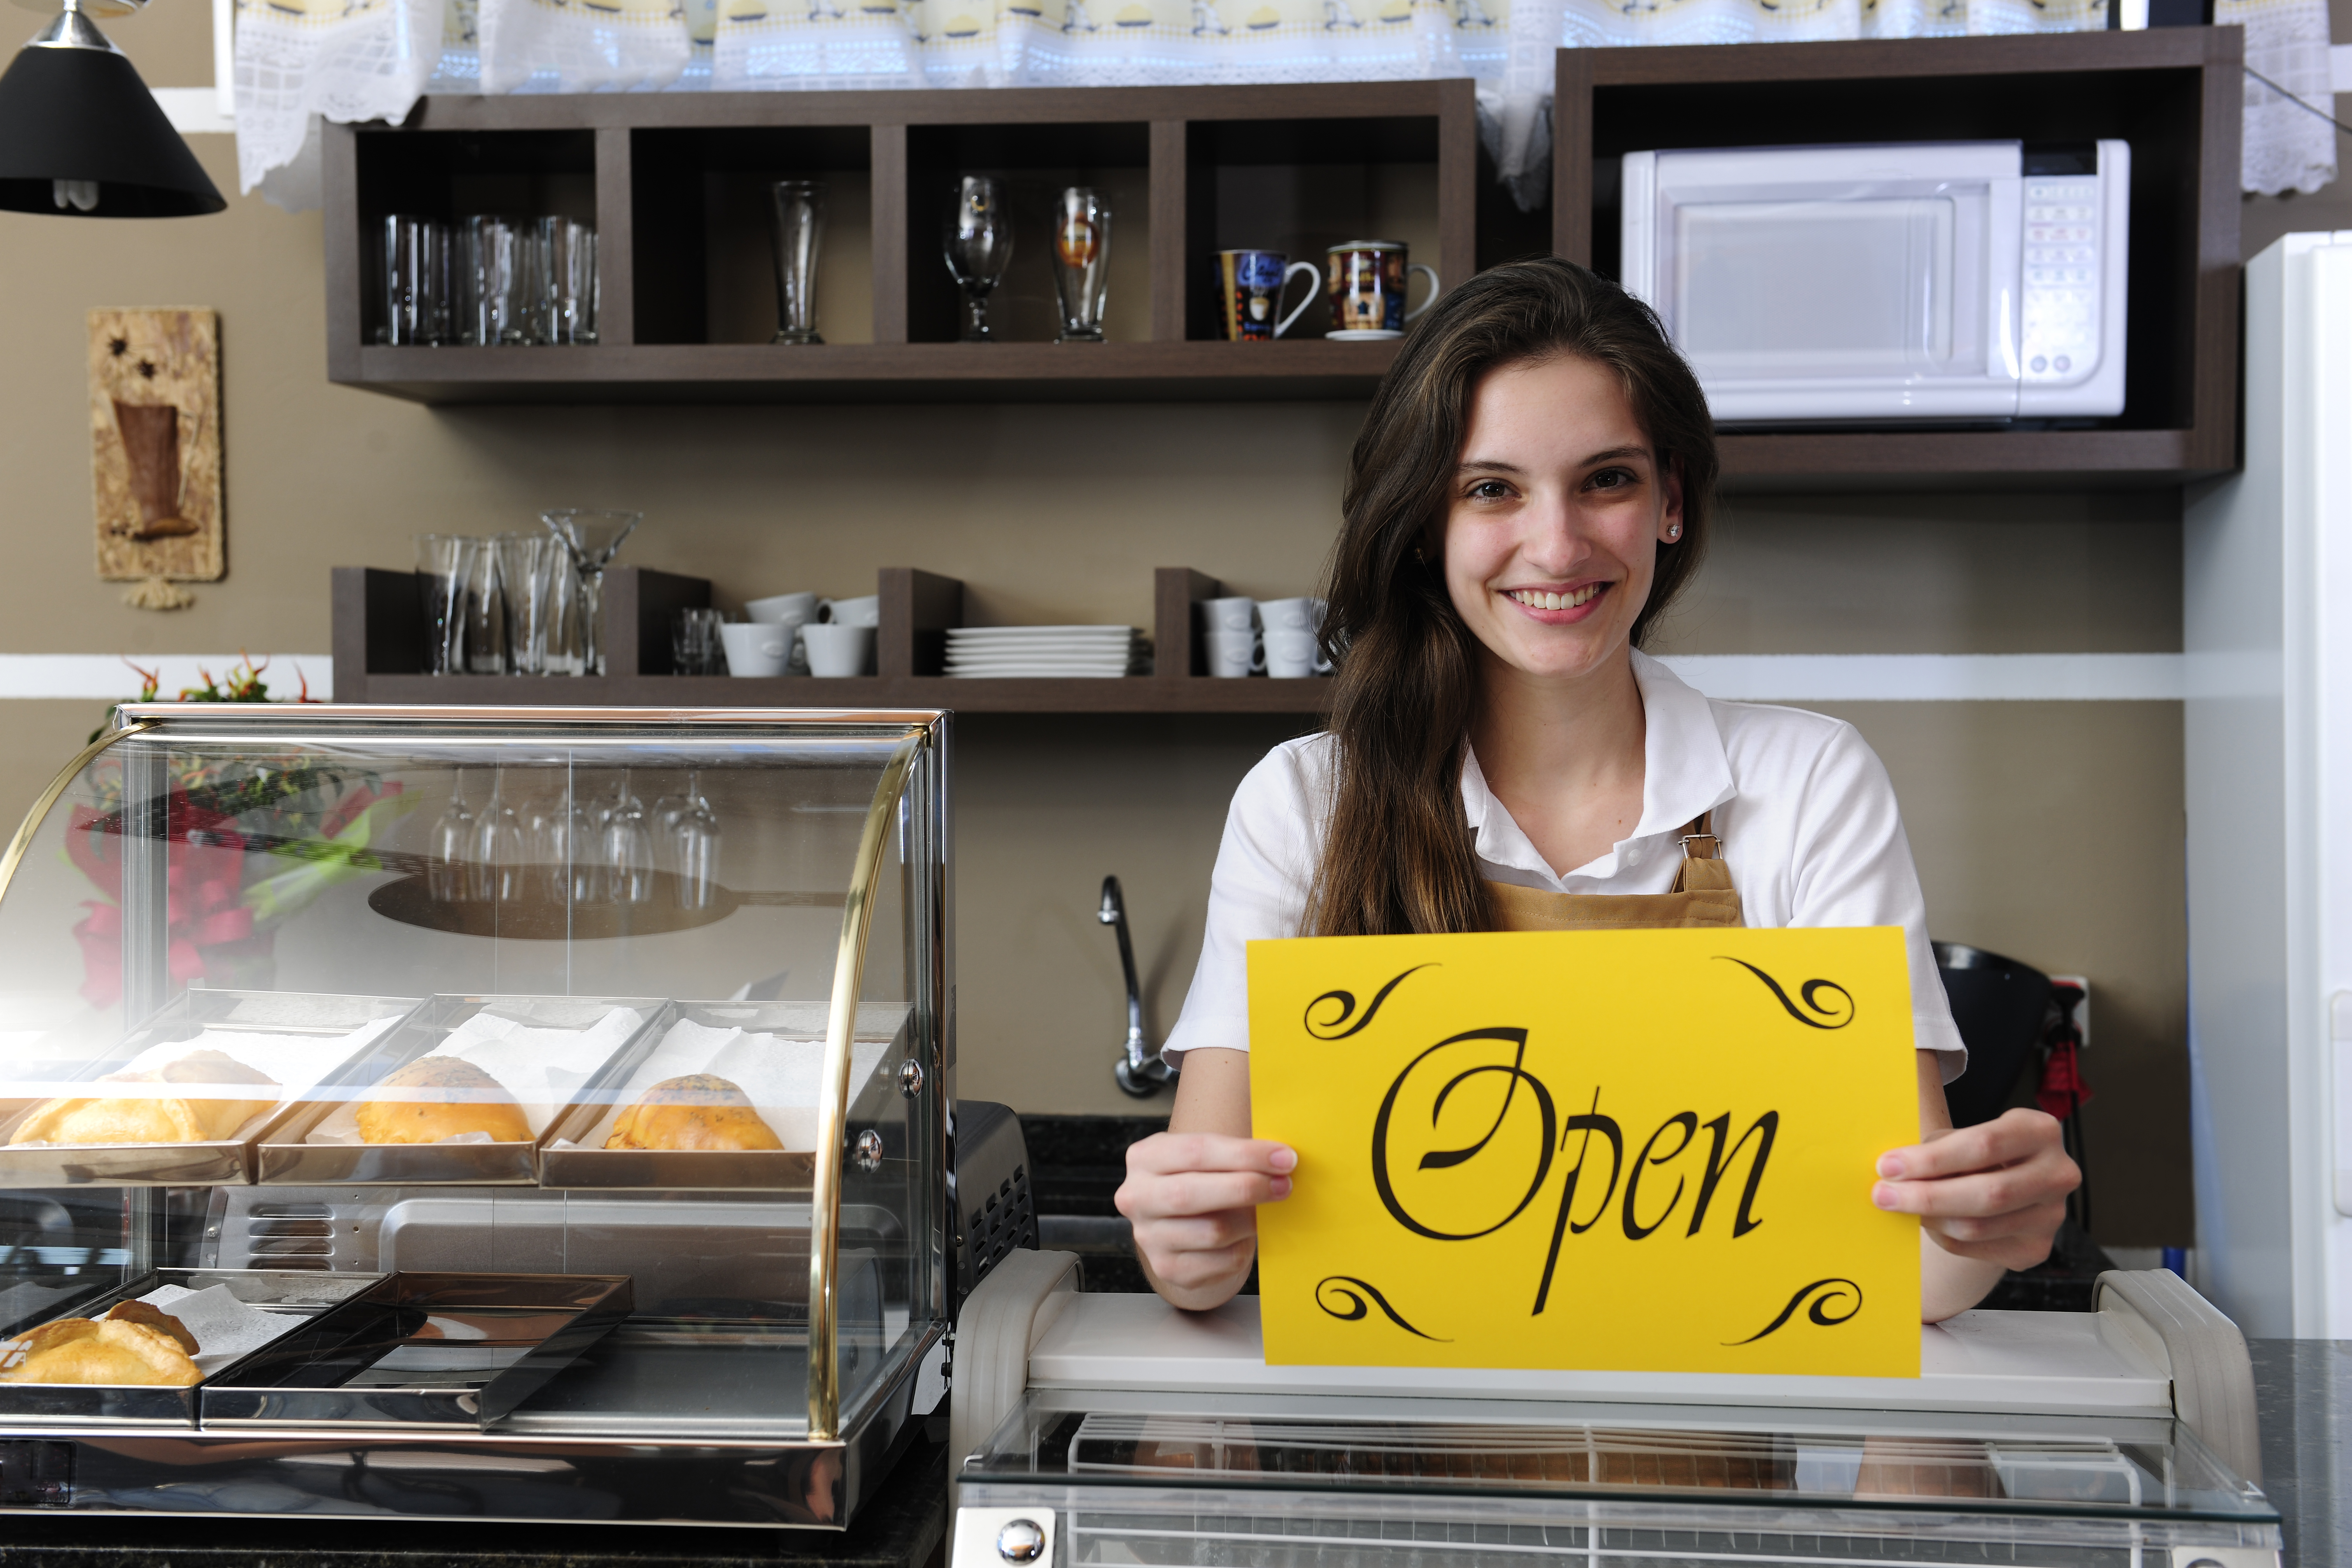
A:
[2175,93]
[670,181]
[379,656]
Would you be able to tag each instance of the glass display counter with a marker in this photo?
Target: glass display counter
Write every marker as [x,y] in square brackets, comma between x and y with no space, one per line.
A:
[530,1113]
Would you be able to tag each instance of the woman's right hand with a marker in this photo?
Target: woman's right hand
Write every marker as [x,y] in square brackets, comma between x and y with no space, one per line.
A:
[1193,1198]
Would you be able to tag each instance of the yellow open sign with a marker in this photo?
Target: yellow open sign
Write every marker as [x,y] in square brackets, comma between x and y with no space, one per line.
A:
[1628,1151]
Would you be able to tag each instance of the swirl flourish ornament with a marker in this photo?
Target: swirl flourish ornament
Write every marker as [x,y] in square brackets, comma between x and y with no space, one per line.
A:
[1329,1029]
[1810,992]
[1353,1291]
[1830,1291]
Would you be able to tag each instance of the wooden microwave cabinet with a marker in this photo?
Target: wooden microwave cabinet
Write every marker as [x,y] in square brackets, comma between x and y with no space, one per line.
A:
[673,182]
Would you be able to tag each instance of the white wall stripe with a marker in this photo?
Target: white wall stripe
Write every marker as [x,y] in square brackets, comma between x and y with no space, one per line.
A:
[1739,677]
[194,111]
[104,678]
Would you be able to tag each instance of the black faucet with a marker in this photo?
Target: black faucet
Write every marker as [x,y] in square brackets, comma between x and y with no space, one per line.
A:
[1141,1071]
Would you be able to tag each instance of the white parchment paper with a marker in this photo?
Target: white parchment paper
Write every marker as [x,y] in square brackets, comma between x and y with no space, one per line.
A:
[778,1073]
[295,1063]
[225,1327]
[542,1067]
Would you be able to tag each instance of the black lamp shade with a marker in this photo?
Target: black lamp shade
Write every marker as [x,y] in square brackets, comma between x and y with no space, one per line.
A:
[84,114]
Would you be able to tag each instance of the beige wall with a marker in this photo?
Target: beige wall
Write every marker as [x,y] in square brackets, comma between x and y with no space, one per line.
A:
[2050,832]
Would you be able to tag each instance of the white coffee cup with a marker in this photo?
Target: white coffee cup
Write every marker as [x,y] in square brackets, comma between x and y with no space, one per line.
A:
[782,610]
[1290,654]
[865,612]
[1290,614]
[1230,653]
[1227,614]
[754,648]
[834,650]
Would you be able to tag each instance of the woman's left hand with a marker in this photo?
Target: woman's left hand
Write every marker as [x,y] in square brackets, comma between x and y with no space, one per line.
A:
[1995,1191]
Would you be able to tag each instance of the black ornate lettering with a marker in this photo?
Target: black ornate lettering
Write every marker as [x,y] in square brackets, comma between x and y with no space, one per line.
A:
[1564,1223]
[1446,1159]
[1353,1291]
[1719,1162]
[1810,991]
[1831,1289]
[1347,1000]
[1634,1230]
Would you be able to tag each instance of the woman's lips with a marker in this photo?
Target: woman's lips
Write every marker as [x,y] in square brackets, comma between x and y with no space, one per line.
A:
[1558,609]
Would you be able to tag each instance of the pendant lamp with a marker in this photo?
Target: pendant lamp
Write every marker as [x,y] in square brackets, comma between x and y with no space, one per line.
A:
[80,136]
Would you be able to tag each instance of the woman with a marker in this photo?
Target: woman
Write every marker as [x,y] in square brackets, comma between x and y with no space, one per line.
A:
[1530,492]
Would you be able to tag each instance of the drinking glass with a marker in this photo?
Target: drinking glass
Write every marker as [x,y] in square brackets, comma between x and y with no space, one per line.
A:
[693,643]
[797,207]
[450,848]
[628,849]
[591,538]
[563,252]
[493,284]
[694,848]
[416,281]
[978,243]
[497,855]
[486,612]
[444,566]
[528,565]
[1081,263]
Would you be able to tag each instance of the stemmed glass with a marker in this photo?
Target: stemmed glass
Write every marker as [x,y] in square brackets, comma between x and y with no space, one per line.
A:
[592,539]
[978,237]
[495,865]
[628,848]
[450,848]
[694,839]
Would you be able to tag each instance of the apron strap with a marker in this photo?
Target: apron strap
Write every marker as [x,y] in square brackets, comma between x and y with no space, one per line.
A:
[1699,842]
[1704,868]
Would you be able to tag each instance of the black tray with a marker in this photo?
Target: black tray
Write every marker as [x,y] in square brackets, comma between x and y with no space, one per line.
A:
[368,1362]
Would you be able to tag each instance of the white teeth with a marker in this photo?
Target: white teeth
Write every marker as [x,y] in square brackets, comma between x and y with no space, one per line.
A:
[1535,599]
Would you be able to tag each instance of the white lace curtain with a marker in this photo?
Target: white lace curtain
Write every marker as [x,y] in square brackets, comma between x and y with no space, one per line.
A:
[300,60]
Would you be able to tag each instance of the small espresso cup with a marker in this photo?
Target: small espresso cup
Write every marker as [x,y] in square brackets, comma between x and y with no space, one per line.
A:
[838,649]
[781,609]
[1292,654]
[861,612]
[1230,655]
[756,649]
[1250,286]
[1228,615]
[1367,286]
[1290,616]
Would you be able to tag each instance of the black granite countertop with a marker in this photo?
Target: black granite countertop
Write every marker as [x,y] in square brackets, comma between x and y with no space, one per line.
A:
[903,1525]
[2303,1393]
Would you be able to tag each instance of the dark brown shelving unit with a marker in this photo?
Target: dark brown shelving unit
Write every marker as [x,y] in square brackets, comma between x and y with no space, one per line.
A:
[671,181]
[2175,93]
[378,647]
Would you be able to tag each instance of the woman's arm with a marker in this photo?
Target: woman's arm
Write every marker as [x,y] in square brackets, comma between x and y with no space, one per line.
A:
[1193,1192]
[1989,1197]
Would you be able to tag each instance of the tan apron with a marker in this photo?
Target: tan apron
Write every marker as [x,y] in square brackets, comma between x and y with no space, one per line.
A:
[1702,896]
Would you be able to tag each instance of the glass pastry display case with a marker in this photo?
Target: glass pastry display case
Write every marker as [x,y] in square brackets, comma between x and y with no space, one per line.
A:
[535,1113]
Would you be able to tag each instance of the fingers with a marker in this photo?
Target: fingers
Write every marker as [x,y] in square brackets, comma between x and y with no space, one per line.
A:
[2018,1240]
[1983,1193]
[2013,1136]
[1143,1198]
[1167,1153]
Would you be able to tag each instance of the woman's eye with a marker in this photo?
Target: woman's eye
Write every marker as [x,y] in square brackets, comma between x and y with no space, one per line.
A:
[1489,490]
[1612,479]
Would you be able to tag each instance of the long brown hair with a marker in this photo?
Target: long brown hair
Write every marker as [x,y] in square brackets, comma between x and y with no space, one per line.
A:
[1396,854]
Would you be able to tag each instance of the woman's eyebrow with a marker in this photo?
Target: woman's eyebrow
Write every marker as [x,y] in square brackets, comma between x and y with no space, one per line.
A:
[1489,466]
[1614,453]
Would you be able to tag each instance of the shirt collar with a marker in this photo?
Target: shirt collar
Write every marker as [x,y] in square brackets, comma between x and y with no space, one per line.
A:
[1684,774]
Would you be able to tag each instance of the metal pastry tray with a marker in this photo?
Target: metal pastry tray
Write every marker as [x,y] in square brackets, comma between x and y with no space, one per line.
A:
[299,1293]
[574,1154]
[453,1351]
[284,1157]
[225,1161]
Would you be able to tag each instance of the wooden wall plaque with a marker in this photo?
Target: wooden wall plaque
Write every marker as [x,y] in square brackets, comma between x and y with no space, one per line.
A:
[155,444]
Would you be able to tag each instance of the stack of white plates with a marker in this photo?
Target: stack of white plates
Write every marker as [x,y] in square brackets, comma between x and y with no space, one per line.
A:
[1013,652]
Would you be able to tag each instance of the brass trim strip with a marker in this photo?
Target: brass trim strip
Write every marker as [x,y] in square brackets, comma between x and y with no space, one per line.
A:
[833,1097]
[22,844]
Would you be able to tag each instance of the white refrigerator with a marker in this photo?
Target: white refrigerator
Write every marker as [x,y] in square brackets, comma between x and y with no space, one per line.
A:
[2267,628]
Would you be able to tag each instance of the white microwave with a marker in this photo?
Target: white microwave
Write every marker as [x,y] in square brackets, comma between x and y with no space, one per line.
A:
[1952,280]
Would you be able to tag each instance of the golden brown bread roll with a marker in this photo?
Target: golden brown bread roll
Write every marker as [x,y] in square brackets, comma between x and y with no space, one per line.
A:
[700,1110]
[488,1107]
[110,1351]
[157,1121]
[154,1317]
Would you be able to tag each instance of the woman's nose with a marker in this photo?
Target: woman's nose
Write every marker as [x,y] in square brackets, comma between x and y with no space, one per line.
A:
[1553,541]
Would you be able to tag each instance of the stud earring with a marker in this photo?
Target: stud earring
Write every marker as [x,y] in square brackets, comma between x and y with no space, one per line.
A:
[1673,532]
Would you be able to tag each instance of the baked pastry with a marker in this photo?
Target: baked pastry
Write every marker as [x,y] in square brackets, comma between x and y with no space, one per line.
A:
[108,1351]
[486,1107]
[149,1315]
[160,1120]
[700,1110]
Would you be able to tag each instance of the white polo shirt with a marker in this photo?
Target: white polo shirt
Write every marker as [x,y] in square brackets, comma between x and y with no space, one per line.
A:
[1802,807]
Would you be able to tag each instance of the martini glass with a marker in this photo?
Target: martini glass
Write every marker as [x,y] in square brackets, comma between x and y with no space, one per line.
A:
[592,539]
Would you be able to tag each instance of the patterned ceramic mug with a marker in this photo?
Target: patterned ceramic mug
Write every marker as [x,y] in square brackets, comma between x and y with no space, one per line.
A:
[1250,284]
[1368,286]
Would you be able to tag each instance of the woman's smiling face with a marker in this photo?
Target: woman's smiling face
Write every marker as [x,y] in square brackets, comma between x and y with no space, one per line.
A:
[1558,508]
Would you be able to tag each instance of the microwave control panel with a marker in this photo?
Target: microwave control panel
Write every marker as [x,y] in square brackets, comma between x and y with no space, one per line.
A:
[2062,315]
